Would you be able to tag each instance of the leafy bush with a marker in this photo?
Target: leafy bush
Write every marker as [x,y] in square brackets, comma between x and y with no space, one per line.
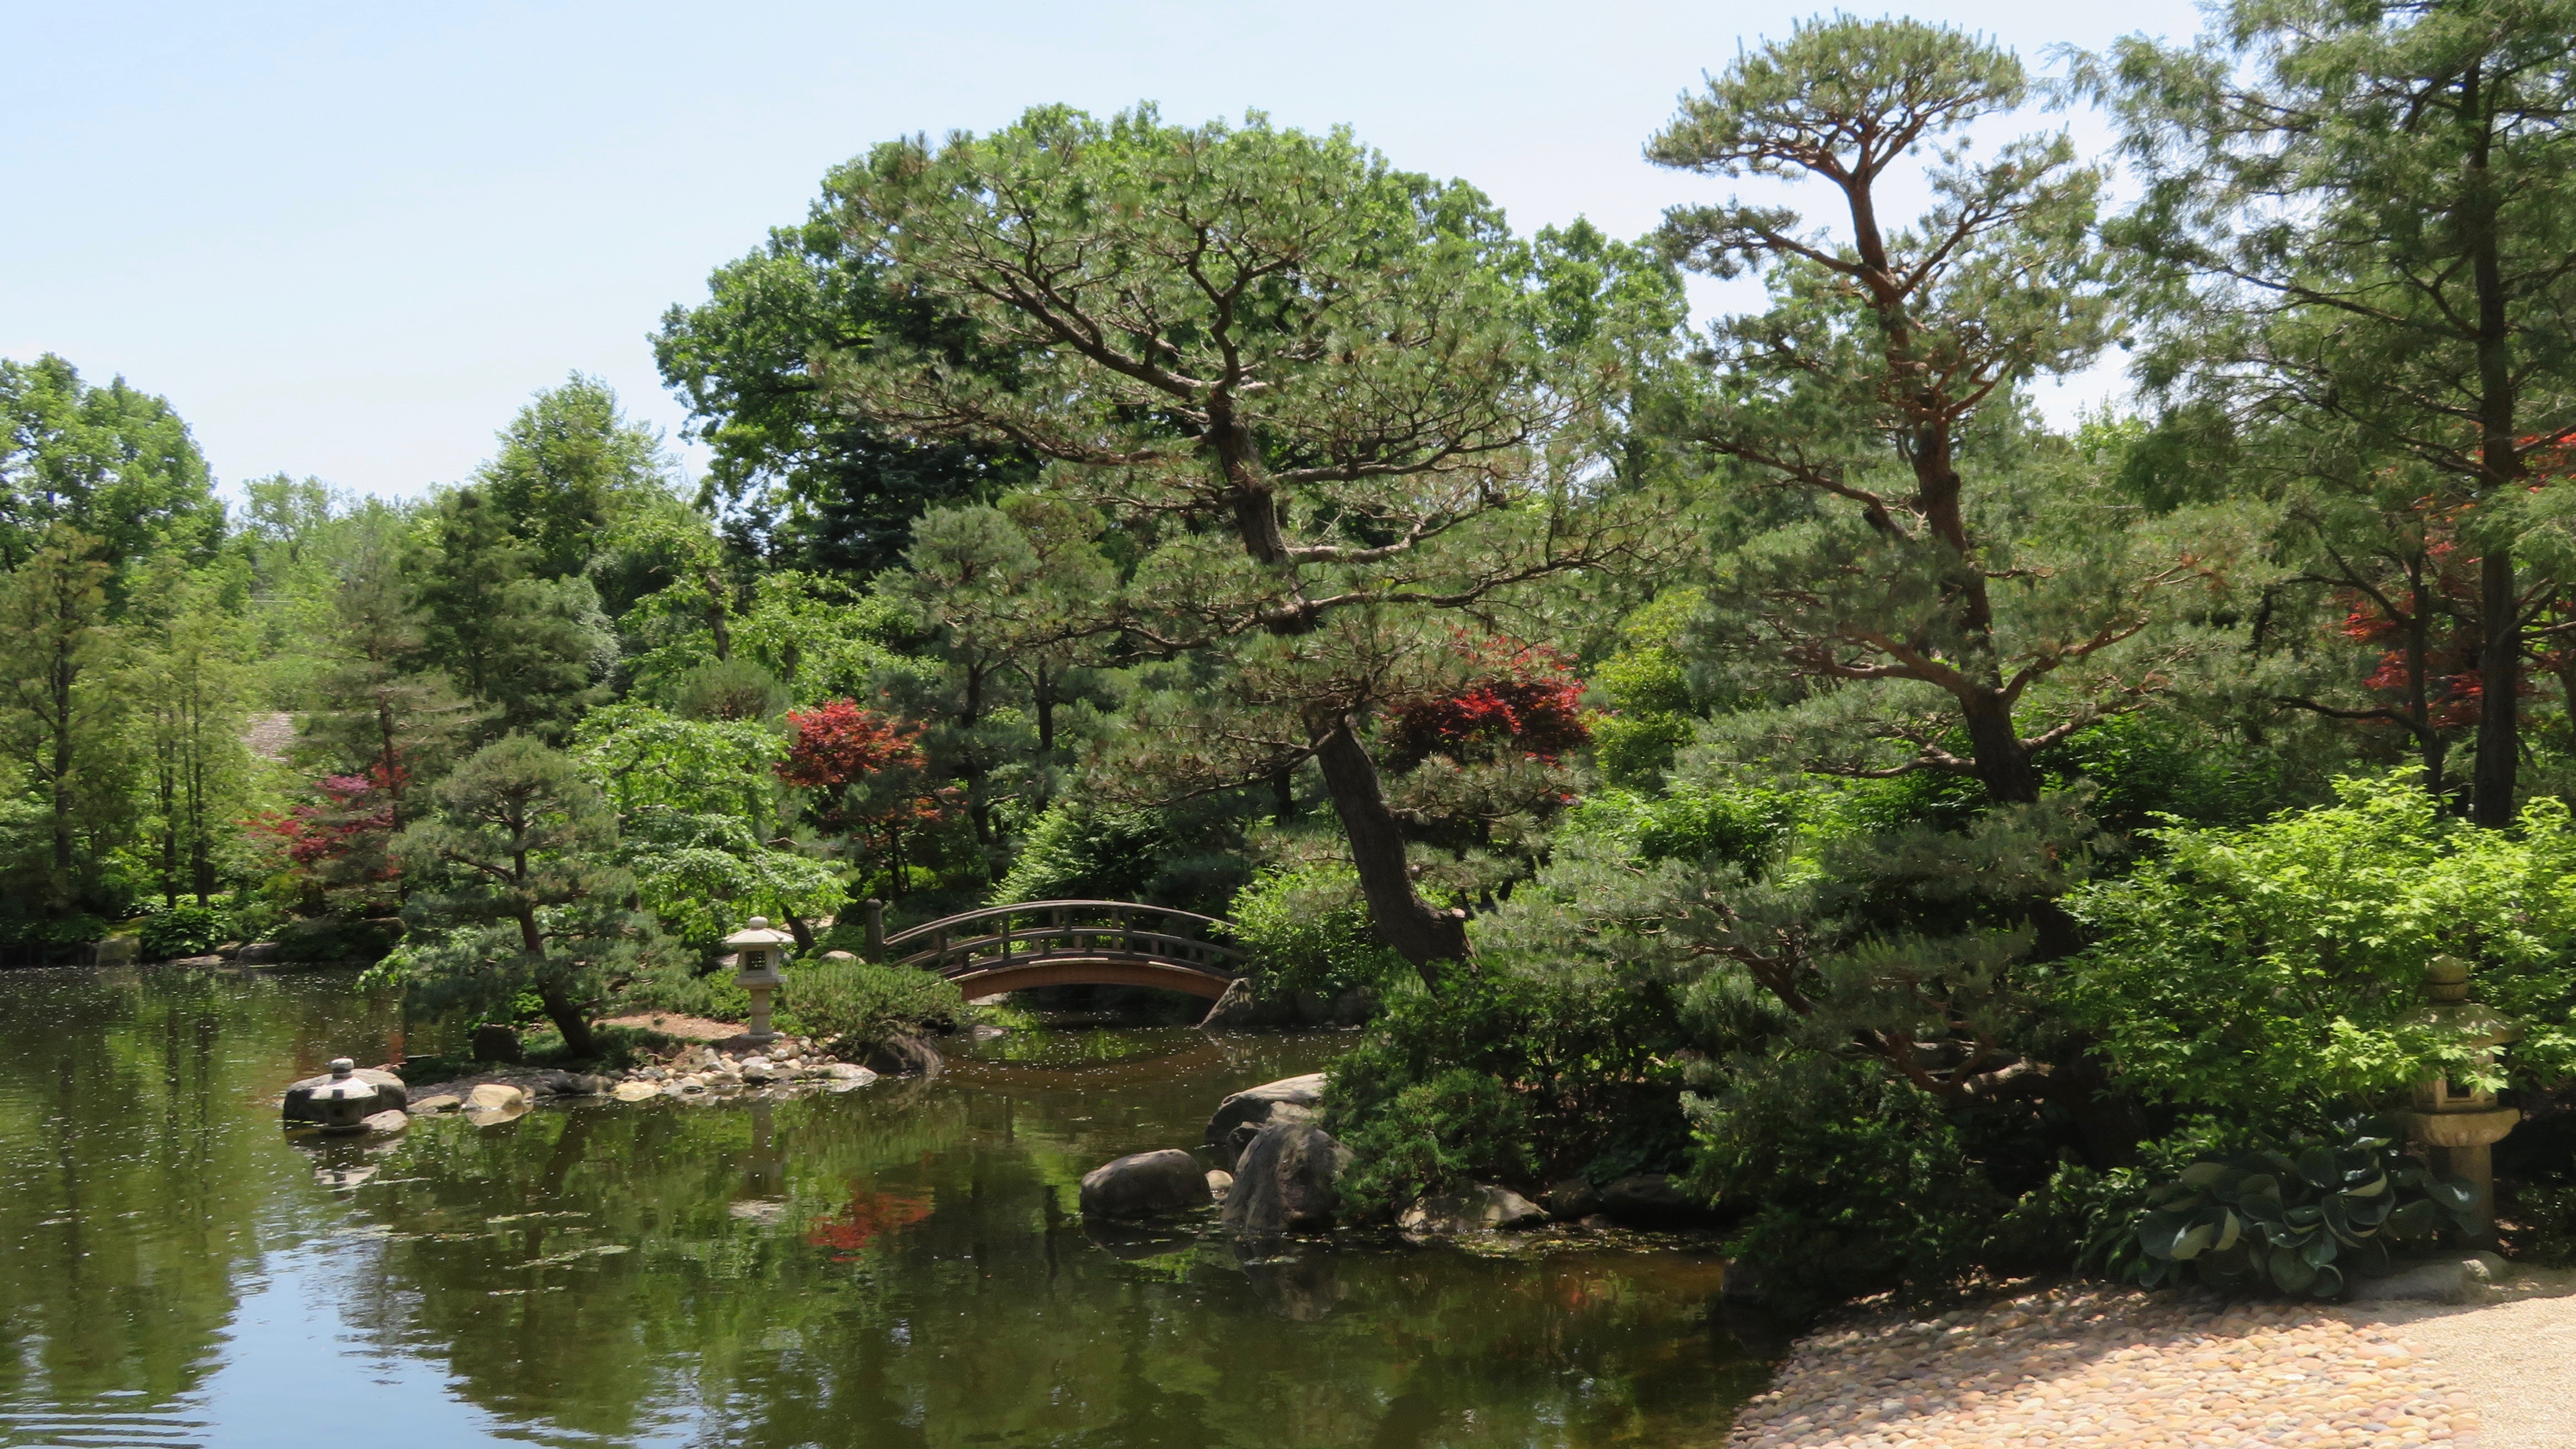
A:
[2544,1224]
[686,987]
[859,1001]
[2285,960]
[185,930]
[1308,930]
[2296,1219]
[1456,1126]
[1742,827]
[1852,1183]
[1583,1055]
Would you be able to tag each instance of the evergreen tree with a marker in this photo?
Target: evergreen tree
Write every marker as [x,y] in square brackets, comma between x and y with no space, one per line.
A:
[514,890]
[189,685]
[2362,218]
[569,468]
[531,650]
[1314,391]
[1939,599]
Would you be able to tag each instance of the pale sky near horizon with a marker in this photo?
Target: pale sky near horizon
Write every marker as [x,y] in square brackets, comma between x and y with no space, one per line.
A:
[349,242]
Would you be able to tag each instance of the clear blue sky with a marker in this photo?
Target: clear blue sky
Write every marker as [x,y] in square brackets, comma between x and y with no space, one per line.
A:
[349,240]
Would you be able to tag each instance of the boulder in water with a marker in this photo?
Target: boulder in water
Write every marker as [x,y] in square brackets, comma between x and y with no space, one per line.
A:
[1144,1185]
[1286,1181]
[1290,1099]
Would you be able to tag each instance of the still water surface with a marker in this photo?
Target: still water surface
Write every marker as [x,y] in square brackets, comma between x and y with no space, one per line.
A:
[899,1265]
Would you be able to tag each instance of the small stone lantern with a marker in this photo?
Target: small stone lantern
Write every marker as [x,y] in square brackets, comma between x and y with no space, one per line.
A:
[2462,1122]
[761,950]
[345,1101]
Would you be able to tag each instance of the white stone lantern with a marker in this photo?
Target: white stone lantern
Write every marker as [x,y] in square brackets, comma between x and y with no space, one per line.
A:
[760,952]
[346,1100]
[2462,1120]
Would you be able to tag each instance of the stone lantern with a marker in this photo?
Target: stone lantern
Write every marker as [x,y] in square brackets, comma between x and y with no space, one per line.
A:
[2459,1121]
[345,1101]
[760,952]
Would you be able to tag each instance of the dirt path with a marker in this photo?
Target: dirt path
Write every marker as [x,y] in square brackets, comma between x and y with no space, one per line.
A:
[2516,1357]
[687,1028]
[2089,1366]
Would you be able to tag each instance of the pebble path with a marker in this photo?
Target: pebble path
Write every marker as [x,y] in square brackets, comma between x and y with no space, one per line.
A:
[2094,1367]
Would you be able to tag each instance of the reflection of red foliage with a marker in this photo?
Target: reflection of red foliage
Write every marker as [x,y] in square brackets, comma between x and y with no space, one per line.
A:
[869,1216]
[840,744]
[1525,699]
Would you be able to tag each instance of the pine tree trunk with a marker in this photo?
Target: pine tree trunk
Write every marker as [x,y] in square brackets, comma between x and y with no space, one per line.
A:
[569,1019]
[2003,766]
[2500,684]
[1423,935]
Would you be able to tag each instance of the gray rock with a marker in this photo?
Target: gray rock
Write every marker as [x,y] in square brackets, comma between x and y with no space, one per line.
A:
[388,1122]
[1355,1007]
[553,1083]
[496,1097]
[637,1091]
[2462,1279]
[902,1056]
[1475,1208]
[495,1042]
[1651,1200]
[1571,1200]
[1286,1182]
[1144,1185]
[1219,1184]
[258,953]
[198,961]
[298,1106]
[1239,1010]
[432,1106]
[1246,1112]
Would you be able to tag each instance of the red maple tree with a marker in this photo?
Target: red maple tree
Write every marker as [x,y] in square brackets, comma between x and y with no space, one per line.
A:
[866,770]
[1521,699]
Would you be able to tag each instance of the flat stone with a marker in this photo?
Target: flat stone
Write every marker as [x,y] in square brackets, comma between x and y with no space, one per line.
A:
[387,1123]
[1143,1185]
[496,1097]
[636,1091]
[1652,1200]
[2463,1279]
[443,1102]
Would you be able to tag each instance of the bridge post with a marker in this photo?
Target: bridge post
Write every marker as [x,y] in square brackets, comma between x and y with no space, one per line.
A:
[872,911]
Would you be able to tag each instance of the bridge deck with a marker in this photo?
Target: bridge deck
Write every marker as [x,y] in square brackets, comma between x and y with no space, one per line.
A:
[1071,943]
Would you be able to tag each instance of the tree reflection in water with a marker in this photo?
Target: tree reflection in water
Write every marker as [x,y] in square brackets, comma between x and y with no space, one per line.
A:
[899,1264]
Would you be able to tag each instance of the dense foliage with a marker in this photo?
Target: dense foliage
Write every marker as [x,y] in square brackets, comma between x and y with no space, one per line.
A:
[1766,754]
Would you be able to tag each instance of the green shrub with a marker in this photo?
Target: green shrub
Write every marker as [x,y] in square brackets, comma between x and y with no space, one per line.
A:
[859,1001]
[185,930]
[1457,1126]
[1074,852]
[1849,1183]
[1308,930]
[2298,1218]
[2283,963]
[2544,1224]
[685,987]
[1582,1056]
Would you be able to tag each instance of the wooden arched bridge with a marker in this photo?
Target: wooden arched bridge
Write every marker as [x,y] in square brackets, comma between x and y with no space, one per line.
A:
[1070,943]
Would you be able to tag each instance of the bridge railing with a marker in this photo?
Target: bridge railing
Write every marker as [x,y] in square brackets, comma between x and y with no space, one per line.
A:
[999,936]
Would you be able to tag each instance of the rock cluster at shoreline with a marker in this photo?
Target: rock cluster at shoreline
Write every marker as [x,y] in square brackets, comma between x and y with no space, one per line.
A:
[2108,1367]
[716,1072]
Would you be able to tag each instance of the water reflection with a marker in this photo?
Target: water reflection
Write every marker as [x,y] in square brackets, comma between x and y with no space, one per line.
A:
[896,1265]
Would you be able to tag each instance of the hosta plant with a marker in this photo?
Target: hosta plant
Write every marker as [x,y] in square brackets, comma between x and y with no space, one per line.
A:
[2302,1218]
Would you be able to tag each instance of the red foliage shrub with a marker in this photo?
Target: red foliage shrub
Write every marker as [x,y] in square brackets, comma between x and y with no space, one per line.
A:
[1524,700]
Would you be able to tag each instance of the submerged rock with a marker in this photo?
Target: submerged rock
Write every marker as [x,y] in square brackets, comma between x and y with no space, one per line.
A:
[1286,1181]
[1239,1117]
[902,1056]
[1475,1208]
[496,1097]
[1144,1185]
[387,1122]
[1571,1200]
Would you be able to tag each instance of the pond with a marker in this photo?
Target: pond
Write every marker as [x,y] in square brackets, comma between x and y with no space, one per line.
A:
[897,1265]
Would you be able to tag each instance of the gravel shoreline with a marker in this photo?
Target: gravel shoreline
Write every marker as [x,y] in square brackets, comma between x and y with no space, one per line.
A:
[2092,1366]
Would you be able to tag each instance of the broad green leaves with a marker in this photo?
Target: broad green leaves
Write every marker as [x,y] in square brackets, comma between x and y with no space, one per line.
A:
[2282,963]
